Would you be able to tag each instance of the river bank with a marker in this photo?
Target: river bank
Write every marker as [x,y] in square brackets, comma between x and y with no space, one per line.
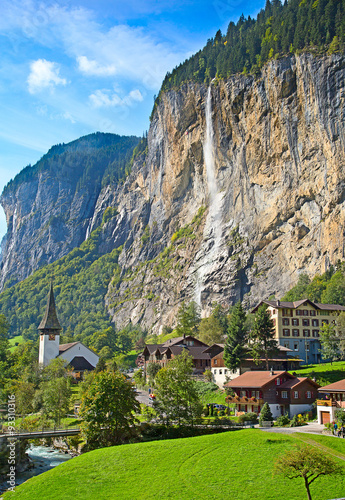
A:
[42,458]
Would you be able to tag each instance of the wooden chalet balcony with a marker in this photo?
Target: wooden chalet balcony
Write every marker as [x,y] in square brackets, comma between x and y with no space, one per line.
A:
[244,400]
[328,402]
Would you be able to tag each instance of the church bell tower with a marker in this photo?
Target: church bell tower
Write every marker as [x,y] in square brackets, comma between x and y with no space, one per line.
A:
[49,329]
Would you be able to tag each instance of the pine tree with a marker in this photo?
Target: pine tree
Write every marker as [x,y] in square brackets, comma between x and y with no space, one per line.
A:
[234,350]
[262,333]
[265,414]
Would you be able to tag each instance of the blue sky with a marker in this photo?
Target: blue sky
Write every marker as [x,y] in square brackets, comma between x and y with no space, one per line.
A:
[72,68]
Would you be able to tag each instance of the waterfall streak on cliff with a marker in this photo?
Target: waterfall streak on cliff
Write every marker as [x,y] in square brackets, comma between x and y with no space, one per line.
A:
[213,228]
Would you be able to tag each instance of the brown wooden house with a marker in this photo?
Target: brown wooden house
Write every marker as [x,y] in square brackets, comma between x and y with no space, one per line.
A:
[284,393]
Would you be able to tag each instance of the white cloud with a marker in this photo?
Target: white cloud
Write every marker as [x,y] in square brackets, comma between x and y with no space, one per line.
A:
[103,98]
[44,74]
[93,68]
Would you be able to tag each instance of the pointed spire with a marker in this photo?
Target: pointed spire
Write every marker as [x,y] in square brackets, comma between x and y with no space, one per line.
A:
[50,320]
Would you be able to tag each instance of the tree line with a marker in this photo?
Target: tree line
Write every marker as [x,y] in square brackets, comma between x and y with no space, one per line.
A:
[278,29]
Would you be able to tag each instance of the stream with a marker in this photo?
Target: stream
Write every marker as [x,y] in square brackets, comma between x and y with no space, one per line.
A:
[43,458]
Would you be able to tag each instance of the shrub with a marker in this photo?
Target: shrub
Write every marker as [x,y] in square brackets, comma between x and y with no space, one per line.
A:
[248,417]
[282,420]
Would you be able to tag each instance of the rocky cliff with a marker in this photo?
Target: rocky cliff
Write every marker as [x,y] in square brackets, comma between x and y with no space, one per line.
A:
[241,189]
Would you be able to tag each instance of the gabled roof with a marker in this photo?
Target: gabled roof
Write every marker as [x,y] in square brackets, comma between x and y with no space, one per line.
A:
[335,387]
[50,320]
[278,304]
[294,382]
[181,340]
[65,347]
[255,379]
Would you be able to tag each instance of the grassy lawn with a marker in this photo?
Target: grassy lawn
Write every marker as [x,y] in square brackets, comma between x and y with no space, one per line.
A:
[325,373]
[236,465]
[14,340]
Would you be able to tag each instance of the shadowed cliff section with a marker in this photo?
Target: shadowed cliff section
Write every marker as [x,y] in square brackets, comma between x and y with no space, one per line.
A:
[48,206]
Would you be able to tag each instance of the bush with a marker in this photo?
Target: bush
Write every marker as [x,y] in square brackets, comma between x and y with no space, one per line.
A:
[297,420]
[248,417]
[282,420]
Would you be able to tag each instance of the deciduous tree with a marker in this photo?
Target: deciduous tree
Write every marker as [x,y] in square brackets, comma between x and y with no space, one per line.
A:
[308,463]
[177,396]
[108,409]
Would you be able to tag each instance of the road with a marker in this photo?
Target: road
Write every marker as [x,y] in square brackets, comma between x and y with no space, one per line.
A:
[143,397]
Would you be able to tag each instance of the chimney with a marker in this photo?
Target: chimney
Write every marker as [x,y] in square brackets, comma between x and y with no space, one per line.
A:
[278,302]
[272,372]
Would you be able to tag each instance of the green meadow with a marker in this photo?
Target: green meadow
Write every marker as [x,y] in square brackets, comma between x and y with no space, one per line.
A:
[324,373]
[234,465]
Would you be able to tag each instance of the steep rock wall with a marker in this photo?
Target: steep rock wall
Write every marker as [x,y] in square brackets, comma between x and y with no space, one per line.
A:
[279,161]
[275,208]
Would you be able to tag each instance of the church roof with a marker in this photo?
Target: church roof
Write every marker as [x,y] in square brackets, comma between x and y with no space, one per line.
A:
[50,320]
[80,363]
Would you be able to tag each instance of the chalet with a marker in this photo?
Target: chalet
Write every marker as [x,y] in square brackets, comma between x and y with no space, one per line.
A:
[333,398]
[163,353]
[283,392]
[279,361]
[297,325]
[75,354]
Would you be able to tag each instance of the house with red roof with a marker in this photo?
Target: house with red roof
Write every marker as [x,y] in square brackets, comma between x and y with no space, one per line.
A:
[284,393]
[332,398]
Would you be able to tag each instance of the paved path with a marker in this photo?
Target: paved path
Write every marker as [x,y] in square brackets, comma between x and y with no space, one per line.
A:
[311,428]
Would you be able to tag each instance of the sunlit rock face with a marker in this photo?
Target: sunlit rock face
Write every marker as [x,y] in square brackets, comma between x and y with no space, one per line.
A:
[264,158]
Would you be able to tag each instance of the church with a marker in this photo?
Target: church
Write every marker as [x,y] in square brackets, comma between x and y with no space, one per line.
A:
[75,354]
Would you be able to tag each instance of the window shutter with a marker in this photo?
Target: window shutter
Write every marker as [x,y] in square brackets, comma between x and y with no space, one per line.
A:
[312,394]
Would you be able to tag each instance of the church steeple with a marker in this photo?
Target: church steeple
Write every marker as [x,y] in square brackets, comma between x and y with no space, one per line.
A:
[50,320]
[49,329]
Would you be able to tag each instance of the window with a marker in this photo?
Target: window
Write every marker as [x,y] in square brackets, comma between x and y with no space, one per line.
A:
[295,322]
[314,322]
[215,361]
[299,312]
[243,394]
[295,333]
[287,345]
[306,333]
[273,311]
[284,394]
[286,321]
[287,312]
[305,312]
[225,371]
[325,321]
[312,313]
[242,407]
[220,372]
[305,322]
[278,381]
[253,394]
[295,347]
[215,372]
[295,394]
[308,394]
[286,332]
[315,333]
[307,346]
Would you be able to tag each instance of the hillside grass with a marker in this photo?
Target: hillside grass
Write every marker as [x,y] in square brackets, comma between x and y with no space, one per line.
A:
[324,373]
[237,465]
[17,339]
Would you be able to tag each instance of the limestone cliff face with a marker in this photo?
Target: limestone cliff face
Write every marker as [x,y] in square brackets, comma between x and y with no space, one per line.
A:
[242,188]
[277,206]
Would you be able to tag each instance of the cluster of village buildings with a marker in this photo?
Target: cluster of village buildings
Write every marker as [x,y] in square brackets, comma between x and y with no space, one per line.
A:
[297,331]
[296,326]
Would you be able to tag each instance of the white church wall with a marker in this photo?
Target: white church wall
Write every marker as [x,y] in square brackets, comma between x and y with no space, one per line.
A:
[80,350]
[49,348]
